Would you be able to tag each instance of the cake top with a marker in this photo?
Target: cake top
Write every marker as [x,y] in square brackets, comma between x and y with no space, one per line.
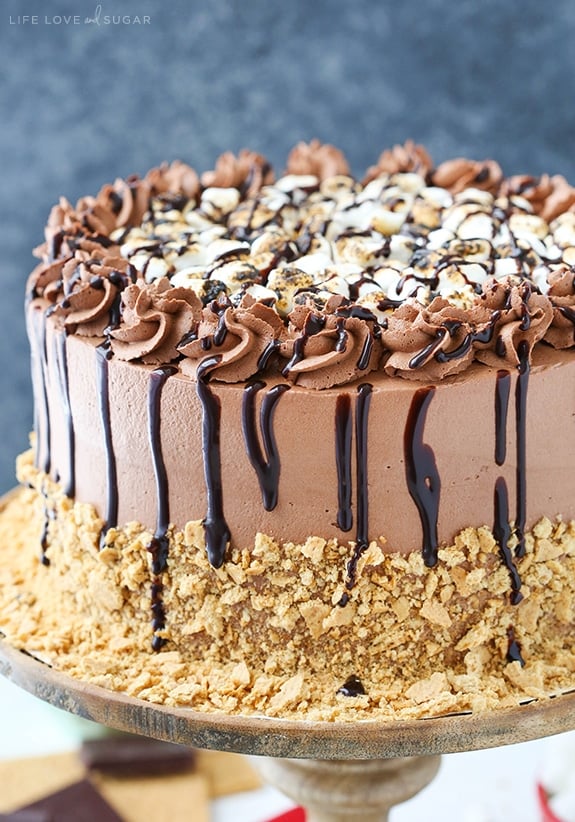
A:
[414,270]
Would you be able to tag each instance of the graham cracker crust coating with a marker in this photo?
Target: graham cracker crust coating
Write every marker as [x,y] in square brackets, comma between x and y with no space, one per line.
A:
[280,629]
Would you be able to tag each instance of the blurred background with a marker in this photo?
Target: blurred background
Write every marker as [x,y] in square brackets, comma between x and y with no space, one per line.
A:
[83,103]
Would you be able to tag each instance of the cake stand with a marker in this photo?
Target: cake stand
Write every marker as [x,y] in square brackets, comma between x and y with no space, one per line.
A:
[340,771]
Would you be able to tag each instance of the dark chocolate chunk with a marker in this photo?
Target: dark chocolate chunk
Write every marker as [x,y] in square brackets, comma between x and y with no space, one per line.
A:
[135,755]
[80,802]
[352,686]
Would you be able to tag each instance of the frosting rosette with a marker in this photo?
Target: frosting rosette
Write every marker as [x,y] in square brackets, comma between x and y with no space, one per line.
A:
[327,349]
[521,317]
[154,319]
[561,333]
[248,171]
[240,340]
[318,159]
[434,342]
[458,174]
[87,291]
[173,178]
[549,196]
[400,159]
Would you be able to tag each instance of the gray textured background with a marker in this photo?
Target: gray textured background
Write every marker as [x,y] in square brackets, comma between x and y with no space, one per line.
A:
[82,104]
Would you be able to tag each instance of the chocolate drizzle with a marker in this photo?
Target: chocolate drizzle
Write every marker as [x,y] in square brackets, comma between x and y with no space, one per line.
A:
[423,480]
[40,370]
[513,648]
[521,426]
[361,420]
[48,515]
[502,534]
[63,384]
[352,686]
[266,463]
[215,526]
[502,388]
[159,545]
[103,354]
[343,443]
[501,525]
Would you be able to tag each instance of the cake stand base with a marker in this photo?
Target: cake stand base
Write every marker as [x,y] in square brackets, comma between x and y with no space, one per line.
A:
[333,791]
[339,771]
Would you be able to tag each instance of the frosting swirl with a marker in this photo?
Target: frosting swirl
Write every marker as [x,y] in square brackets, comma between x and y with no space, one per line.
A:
[535,190]
[433,342]
[154,319]
[521,315]
[329,349]
[458,174]
[240,336]
[249,171]
[318,159]
[561,333]
[174,178]
[408,157]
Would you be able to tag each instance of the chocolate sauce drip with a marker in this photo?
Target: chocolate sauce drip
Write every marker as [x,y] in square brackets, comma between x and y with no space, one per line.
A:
[64,386]
[313,325]
[352,686]
[423,480]
[48,515]
[215,526]
[425,353]
[342,335]
[361,420]
[264,358]
[343,444]
[267,462]
[502,388]
[569,314]
[103,354]
[365,355]
[502,534]
[521,430]
[42,409]
[513,648]
[159,545]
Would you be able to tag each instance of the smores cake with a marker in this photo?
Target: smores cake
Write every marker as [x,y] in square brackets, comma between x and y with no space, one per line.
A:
[303,443]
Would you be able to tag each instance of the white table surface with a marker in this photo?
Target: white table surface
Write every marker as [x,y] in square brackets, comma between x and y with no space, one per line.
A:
[496,785]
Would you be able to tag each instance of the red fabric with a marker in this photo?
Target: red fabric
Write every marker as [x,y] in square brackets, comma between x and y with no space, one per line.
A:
[296,815]
[547,814]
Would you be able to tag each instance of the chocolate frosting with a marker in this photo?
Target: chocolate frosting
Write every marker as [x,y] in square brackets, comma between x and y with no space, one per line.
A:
[176,178]
[408,157]
[521,316]
[561,333]
[434,342]
[535,190]
[238,336]
[248,171]
[319,159]
[327,350]
[434,307]
[155,317]
[460,173]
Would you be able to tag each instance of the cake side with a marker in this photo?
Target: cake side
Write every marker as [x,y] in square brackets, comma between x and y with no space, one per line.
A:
[267,633]
[316,440]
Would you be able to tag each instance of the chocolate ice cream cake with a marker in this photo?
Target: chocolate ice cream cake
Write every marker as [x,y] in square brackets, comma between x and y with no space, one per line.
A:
[303,443]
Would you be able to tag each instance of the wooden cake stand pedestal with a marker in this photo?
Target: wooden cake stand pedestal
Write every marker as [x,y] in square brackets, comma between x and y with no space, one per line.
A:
[340,772]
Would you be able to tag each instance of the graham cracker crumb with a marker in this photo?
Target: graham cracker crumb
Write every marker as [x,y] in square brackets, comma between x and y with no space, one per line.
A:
[276,630]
